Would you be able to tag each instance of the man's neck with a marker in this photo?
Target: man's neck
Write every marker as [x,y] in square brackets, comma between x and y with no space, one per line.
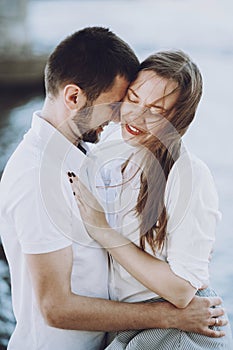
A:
[56,115]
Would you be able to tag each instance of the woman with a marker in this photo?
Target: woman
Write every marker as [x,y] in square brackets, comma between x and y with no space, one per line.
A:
[167,203]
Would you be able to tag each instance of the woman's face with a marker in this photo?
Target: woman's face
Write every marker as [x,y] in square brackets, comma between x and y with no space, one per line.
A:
[146,102]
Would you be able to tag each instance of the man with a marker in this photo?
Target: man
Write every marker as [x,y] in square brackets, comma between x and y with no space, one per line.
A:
[59,282]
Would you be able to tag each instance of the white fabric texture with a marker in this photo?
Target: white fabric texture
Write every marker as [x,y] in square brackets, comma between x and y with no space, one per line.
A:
[192,206]
[38,214]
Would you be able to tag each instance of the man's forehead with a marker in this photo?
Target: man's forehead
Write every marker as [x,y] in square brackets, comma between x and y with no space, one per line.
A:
[116,93]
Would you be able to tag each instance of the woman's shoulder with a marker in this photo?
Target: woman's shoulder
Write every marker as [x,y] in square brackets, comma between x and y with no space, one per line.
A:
[190,192]
[190,177]
[189,166]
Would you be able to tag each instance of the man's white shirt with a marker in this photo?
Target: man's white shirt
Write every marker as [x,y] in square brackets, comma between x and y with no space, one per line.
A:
[38,214]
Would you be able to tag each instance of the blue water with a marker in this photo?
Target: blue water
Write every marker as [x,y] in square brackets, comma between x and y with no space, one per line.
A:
[202,28]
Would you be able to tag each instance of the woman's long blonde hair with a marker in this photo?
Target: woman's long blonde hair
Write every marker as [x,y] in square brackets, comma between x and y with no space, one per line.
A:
[174,66]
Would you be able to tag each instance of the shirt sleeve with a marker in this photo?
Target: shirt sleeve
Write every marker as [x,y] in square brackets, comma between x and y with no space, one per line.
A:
[40,213]
[192,207]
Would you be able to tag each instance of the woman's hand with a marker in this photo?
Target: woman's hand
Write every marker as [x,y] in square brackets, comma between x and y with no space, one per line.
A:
[91,211]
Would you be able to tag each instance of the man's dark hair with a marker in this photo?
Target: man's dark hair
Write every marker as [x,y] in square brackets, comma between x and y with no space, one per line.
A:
[90,58]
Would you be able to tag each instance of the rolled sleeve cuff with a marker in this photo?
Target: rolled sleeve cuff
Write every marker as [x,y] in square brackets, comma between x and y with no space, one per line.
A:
[45,247]
[183,272]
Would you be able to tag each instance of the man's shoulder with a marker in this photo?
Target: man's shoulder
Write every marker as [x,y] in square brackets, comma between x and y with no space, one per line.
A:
[22,166]
[24,157]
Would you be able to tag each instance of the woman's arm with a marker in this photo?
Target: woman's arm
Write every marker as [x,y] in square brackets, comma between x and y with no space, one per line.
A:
[153,273]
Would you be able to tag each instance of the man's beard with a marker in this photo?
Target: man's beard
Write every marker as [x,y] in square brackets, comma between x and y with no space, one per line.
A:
[83,120]
[91,136]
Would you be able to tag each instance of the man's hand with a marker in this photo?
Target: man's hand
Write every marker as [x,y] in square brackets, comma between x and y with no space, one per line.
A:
[198,316]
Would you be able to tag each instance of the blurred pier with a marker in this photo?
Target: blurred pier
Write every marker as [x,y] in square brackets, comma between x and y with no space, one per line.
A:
[20,65]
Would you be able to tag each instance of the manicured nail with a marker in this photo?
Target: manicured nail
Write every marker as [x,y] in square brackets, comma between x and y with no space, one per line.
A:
[73,174]
[71,181]
[69,174]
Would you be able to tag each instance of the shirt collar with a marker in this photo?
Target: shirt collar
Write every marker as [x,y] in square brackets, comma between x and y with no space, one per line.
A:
[54,142]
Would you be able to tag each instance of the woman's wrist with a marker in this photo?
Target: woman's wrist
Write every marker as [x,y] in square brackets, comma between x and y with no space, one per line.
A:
[96,232]
[108,238]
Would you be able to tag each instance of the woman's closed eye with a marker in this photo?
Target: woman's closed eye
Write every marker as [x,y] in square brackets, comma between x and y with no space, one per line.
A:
[131,96]
[156,110]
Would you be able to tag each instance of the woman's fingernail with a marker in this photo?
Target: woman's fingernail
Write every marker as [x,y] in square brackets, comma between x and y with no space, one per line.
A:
[73,174]
[69,174]
[71,181]
[74,193]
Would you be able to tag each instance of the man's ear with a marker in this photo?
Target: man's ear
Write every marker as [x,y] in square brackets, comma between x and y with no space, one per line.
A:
[73,96]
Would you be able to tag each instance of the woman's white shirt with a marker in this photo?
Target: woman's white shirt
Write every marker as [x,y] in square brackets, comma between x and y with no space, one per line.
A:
[191,202]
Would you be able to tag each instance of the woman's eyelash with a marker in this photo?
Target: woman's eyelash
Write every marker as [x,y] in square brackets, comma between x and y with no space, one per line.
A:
[132,98]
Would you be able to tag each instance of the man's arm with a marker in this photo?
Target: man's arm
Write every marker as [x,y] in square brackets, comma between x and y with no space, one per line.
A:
[51,276]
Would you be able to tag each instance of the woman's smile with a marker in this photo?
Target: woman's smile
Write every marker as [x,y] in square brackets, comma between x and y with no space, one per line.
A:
[133,130]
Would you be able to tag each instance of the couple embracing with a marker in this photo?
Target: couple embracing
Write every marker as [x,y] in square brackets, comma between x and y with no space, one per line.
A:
[136,277]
